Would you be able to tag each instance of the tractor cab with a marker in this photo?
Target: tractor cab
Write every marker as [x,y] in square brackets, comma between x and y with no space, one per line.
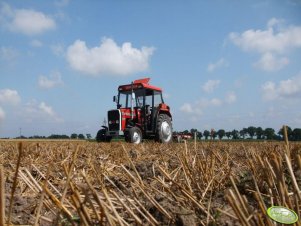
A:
[140,107]
[139,101]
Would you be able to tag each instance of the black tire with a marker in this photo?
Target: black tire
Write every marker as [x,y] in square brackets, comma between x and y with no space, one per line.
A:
[102,137]
[164,129]
[127,136]
[133,135]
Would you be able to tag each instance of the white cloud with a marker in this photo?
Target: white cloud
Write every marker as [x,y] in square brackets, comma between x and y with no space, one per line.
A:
[35,111]
[36,43]
[108,58]
[210,85]
[269,90]
[220,63]
[230,97]
[2,114]
[272,44]
[25,21]
[286,89]
[269,62]
[48,83]
[9,97]
[46,109]
[186,107]
[198,107]
[31,107]
[273,39]
[8,53]
[274,22]
[215,102]
[57,49]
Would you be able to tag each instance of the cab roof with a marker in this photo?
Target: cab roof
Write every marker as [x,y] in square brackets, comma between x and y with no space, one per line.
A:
[138,84]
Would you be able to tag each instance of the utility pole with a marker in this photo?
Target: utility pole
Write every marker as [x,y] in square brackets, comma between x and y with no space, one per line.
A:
[20,132]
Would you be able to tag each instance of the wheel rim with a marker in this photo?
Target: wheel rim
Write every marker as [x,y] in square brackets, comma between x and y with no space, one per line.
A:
[136,138]
[166,131]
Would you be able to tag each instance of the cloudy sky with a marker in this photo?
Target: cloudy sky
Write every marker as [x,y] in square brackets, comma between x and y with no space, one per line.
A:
[221,64]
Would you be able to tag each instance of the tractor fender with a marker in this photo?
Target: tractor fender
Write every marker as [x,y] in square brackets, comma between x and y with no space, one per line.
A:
[164,112]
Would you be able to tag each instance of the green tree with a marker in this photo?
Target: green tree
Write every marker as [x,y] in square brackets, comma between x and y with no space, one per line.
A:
[81,136]
[199,135]
[259,133]
[251,131]
[235,134]
[221,133]
[296,134]
[37,137]
[269,133]
[73,136]
[289,132]
[192,131]
[243,133]
[228,134]
[88,135]
[206,134]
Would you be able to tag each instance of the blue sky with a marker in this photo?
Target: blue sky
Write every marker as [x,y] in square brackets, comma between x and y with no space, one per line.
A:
[221,64]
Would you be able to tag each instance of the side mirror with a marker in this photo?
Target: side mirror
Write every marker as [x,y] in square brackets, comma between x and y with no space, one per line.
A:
[114,99]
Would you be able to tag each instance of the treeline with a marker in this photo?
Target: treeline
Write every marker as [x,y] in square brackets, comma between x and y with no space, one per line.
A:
[251,132]
[58,136]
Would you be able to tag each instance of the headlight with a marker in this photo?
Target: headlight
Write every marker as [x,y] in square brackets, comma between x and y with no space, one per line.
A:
[110,122]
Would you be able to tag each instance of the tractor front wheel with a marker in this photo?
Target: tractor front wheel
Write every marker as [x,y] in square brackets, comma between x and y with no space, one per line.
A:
[102,137]
[133,135]
[164,129]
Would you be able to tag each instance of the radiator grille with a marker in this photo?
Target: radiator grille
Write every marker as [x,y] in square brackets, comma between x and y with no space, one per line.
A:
[114,120]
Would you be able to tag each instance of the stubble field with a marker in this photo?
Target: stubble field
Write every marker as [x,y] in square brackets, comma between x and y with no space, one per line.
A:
[203,183]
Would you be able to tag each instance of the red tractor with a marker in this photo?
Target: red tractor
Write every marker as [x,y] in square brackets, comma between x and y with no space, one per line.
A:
[141,113]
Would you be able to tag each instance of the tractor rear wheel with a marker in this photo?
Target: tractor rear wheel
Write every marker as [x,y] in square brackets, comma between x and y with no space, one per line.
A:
[164,129]
[133,135]
[102,137]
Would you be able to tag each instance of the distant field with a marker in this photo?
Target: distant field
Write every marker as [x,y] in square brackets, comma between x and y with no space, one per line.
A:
[42,140]
[73,182]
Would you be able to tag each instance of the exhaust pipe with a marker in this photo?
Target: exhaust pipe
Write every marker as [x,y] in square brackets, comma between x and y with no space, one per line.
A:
[132,102]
